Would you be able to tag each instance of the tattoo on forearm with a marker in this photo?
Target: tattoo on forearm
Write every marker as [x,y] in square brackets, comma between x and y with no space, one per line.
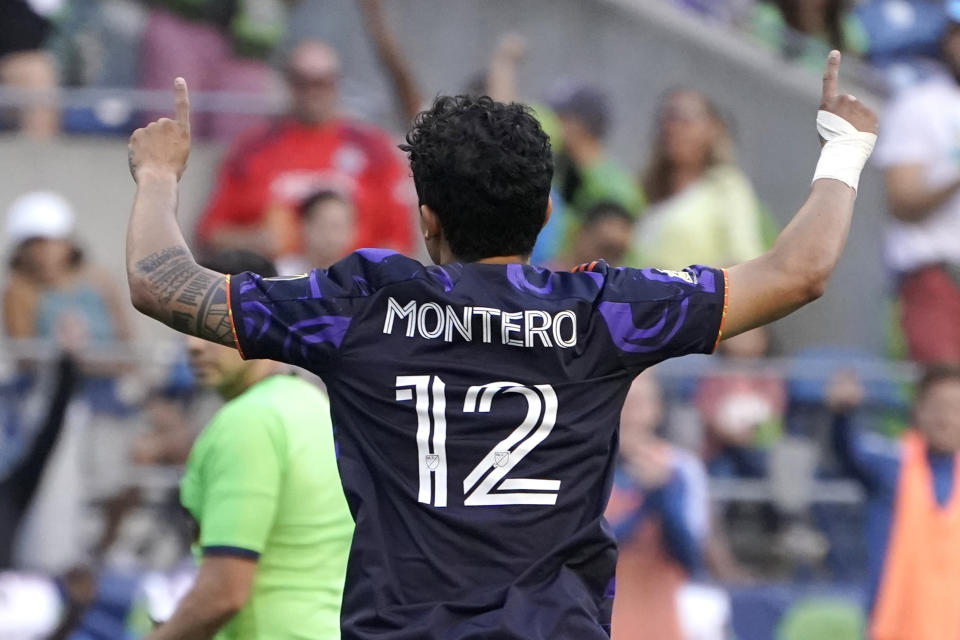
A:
[213,318]
[171,278]
[192,299]
[153,262]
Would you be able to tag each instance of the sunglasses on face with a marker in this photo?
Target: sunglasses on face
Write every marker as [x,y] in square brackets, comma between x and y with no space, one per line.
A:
[683,114]
[300,80]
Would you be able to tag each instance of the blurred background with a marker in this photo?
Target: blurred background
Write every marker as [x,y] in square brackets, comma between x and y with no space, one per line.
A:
[683,132]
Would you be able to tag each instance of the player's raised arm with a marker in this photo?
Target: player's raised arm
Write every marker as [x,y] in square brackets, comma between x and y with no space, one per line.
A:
[165,281]
[795,271]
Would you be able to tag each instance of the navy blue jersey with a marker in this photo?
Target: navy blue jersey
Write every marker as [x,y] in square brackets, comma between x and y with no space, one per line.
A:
[476,409]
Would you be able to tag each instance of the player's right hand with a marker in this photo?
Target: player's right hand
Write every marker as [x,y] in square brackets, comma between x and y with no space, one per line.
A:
[163,146]
[844,105]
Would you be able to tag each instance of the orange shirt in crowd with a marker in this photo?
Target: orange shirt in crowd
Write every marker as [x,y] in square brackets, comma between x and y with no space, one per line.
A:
[921,576]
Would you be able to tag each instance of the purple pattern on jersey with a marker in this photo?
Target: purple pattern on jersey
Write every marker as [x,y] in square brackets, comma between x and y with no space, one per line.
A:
[260,319]
[708,281]
[629,337]
[518,276]
[248,285]
[256,318]
[362,285]
[314,285]
[440,275]
[322,330]
[376,255]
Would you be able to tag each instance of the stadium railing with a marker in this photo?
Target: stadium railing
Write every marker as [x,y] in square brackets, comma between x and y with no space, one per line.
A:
[228,102]
[806,377]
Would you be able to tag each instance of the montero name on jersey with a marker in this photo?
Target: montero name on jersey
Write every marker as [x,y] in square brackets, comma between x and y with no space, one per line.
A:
[529,328]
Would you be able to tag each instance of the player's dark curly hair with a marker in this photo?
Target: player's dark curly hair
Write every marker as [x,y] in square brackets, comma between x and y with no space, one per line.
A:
[485,169]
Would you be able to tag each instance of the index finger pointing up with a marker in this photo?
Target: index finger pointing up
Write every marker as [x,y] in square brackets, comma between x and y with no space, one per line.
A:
[830,75]
[181,102]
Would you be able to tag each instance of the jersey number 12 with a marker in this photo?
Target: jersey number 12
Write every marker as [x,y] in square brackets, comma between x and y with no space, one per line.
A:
[487,484]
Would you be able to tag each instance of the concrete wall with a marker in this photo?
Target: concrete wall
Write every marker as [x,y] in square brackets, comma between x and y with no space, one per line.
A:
[634,48]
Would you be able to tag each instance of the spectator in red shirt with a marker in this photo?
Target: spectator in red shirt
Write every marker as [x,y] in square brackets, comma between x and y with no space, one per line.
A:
[270,170]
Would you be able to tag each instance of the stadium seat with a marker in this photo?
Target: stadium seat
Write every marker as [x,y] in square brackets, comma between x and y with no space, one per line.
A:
[820,618]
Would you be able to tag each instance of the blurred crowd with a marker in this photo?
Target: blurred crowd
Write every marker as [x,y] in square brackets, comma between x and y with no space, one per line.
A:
[736,473]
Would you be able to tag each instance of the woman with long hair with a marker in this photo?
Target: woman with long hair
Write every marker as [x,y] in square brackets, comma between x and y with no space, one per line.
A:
[702,209]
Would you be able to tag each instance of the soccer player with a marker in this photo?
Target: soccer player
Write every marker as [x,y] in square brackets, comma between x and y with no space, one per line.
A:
[476,401]
[261,483]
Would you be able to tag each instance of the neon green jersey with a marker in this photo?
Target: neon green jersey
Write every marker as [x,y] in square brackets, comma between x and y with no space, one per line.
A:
[262,481]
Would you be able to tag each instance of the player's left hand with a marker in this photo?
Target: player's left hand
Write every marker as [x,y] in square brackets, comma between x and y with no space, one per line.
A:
[163,146]
[844,105]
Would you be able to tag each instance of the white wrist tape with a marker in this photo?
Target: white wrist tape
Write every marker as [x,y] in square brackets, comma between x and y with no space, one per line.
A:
[846,151]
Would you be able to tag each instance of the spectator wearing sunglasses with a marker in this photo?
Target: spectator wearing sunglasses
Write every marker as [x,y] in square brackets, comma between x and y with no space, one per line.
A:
[271,170]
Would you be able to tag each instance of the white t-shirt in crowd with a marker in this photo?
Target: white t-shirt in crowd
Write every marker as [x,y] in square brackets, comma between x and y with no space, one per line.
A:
[30,606]
[922,126]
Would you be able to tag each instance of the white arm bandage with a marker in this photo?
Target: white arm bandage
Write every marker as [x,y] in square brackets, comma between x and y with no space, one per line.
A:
[846,151]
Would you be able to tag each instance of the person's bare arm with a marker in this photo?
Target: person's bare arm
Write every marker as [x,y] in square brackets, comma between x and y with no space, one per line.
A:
[221,589]
[909,196]
[19,309]
[502,74]
[795,271]
[391,57]
[117,305]
[166,283]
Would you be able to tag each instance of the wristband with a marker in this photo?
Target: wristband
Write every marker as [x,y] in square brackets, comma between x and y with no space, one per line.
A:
[846,151]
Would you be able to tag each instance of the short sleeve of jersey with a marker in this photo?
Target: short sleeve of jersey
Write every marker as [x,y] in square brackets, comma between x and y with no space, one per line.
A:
[303,320]
[653,314]
[240,475]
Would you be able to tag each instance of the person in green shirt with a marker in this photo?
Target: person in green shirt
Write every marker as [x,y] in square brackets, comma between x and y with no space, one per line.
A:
[585,173]
[262,484]
[805,31]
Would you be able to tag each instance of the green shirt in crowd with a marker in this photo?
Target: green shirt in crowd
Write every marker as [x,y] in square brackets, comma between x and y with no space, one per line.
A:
[262,479]
[606,181]
[255,28]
